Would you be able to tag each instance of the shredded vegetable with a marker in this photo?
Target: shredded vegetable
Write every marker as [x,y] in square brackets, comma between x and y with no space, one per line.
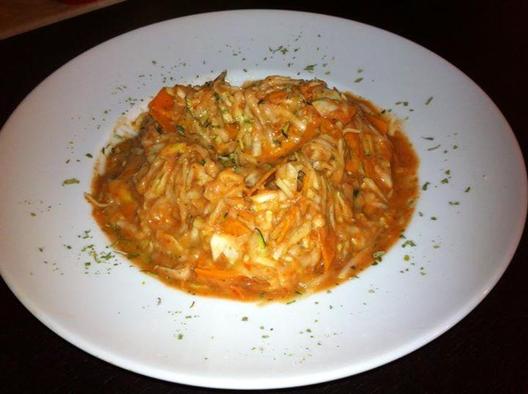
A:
[261,192]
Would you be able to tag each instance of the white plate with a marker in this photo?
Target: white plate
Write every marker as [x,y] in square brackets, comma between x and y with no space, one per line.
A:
[120,315]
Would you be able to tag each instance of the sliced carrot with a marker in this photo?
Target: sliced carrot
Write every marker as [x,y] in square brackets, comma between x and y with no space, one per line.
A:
[378,123]
[328,240]
[246,216]
[352,140]
[214,273]
[203,259]
[327,127]
[237,292]
[262,180]
[354,144]
[276,97]
[368,166]
[352,165]
[232,129]
[234,227]
[160,108]
[163,100]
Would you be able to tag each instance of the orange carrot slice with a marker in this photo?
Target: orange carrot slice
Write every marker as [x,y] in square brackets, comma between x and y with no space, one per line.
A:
[160,108]
[378,123]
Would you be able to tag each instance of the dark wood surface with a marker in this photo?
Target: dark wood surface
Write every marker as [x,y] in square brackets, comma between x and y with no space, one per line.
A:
[486,352]
[24,15]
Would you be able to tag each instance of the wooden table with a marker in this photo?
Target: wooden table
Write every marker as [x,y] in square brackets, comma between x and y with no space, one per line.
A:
[24,15]
[486,352]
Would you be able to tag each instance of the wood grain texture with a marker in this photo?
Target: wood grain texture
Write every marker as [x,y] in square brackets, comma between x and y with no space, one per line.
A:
[487,352]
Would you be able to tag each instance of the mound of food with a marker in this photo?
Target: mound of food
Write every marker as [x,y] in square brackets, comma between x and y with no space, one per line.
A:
[261,192]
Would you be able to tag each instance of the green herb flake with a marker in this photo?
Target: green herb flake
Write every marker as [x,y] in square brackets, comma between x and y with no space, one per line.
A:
[70,181]
[377,256]
[358,80]
[425,186]
[244,318]
[85,235]
[429,100]
[310,68]
[454,202]
[33,214]
[89,155]
[408,243]
[447,172]
[434,218]
[284,129]
[106,256]
[467,189]
[180,129]
[433,147]
[262,241]
[180,337]
[444,181]
[406,257]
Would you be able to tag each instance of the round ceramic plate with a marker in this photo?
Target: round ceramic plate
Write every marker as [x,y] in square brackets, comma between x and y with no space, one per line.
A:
[58,263]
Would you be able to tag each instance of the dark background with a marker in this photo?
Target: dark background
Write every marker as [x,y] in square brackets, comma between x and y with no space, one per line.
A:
[486,352]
